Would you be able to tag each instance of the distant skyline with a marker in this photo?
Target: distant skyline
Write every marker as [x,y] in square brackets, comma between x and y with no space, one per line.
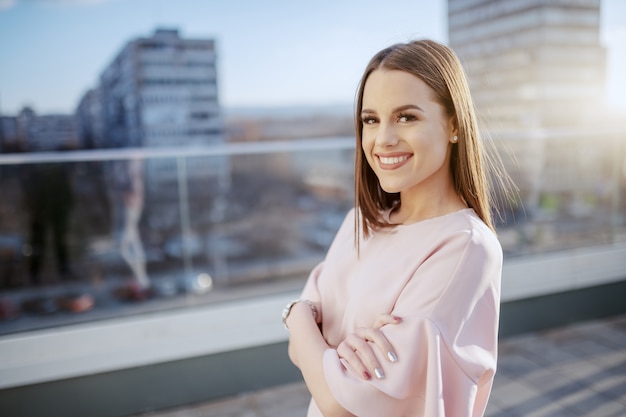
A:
[270,53]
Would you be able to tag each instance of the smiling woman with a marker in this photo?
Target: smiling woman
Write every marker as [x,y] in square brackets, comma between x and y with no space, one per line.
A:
[405,139]
[401,318]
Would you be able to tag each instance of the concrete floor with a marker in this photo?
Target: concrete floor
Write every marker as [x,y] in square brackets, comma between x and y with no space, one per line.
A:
[577,370]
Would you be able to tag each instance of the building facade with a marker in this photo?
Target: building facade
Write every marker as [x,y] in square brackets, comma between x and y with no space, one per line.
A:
[162,91]
[531,63]
[31,132]
[535,68]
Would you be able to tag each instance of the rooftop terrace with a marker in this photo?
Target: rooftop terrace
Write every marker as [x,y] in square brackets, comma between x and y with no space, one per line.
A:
[576,370]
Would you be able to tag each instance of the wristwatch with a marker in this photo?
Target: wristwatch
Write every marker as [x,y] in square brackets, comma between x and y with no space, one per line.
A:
[289,306]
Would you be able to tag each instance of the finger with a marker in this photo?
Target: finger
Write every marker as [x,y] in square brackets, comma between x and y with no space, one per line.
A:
[386,319]
[365,355]
[380,341]
[349,353]
[365,351]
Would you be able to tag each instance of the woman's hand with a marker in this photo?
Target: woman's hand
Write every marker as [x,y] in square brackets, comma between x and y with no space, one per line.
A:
[358,352]
[318,307]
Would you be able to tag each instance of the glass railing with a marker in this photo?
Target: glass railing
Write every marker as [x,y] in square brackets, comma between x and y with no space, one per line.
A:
[89,235]
[571,190]
[92,235]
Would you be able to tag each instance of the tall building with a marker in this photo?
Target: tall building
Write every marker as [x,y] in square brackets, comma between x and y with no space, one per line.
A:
[159,91]
[531,63]
[536,67]
[162,91]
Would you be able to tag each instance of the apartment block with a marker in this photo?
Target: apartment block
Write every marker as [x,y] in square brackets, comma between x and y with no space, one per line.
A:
[162,91]
[536,69]
[531,63]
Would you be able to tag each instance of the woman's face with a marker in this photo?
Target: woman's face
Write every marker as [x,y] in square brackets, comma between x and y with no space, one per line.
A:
[406,134]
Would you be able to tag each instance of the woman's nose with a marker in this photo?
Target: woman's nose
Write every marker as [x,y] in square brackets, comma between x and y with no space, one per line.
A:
[386,135]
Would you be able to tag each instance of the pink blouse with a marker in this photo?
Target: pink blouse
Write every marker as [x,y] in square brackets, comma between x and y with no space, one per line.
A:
[442,277]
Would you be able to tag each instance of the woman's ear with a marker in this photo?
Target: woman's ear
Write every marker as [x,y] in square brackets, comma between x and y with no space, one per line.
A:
[453,126]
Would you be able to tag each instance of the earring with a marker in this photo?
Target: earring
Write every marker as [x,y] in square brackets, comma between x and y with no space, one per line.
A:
[455,139]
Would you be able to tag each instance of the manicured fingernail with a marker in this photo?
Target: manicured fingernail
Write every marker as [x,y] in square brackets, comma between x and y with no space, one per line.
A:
[392,356]
[366,375]
[379,373]
[396,318]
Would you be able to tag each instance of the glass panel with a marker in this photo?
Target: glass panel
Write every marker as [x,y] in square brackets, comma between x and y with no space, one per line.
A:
[88,235]
[571,187]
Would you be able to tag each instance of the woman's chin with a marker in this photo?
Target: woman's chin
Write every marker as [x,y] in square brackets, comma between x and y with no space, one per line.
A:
[390,188]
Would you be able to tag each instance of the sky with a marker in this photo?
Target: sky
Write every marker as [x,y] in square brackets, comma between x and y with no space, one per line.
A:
[271,53]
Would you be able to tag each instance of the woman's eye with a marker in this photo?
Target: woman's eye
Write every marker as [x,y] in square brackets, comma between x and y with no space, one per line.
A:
[369,120]
[403,118]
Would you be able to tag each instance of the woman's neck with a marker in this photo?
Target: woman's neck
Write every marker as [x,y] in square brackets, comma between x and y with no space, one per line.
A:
[414,207]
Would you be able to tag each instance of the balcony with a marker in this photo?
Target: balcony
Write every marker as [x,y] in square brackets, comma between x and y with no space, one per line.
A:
[189,254]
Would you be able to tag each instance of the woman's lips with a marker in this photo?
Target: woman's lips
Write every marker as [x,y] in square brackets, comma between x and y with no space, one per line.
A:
[392,161]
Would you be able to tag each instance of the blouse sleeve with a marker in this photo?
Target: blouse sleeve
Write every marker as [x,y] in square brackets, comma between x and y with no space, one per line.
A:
[311,291]
[446,344]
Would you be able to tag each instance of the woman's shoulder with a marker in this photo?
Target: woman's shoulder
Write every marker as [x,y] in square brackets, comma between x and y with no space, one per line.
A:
[480,234]
[461,232]
[477,251]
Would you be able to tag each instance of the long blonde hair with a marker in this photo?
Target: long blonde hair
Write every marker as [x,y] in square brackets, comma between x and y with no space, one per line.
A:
[438,66]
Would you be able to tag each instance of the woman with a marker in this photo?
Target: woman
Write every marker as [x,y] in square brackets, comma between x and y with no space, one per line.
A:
[401,318]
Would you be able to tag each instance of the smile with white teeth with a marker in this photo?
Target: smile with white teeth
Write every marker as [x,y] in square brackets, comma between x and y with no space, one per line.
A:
[393,159]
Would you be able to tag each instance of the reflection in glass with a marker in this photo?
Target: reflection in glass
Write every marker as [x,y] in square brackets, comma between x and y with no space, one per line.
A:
[128,192]
[147,230]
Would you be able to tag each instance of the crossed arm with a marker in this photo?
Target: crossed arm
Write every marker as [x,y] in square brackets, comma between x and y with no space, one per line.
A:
[307,347]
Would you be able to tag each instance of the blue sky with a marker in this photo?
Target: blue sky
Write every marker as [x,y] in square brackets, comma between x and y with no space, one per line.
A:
[271,52]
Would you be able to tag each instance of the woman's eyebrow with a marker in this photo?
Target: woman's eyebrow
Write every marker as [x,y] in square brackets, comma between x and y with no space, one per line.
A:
[408,107]
[397,109]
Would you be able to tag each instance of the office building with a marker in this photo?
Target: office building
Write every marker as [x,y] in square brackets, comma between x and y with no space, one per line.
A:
[531,63]
[162,91]
[535,68]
